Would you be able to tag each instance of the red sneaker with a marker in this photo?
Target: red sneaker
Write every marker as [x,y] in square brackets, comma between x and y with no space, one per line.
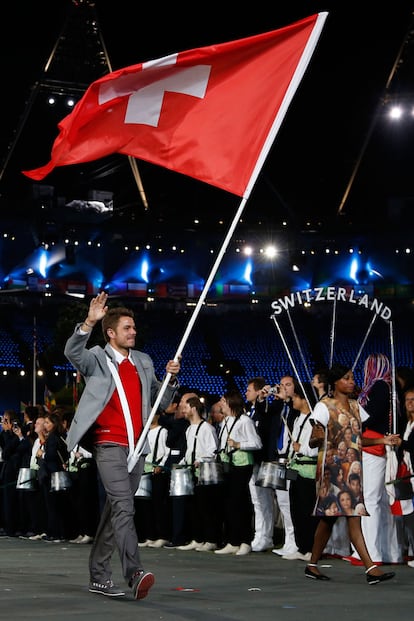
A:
[141,582]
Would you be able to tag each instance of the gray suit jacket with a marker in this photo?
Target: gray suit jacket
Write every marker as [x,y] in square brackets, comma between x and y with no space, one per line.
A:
[99,383]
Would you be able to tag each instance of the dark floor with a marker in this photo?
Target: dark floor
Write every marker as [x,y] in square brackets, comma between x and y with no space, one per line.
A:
[40,580]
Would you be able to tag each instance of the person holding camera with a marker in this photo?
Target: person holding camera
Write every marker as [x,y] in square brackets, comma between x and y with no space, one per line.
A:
[262,497]
[280,424]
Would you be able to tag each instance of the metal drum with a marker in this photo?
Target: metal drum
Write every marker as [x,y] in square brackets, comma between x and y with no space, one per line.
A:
[211,473]
[182,482]
[272,474]
[27,479]
[145,486]
[60,481]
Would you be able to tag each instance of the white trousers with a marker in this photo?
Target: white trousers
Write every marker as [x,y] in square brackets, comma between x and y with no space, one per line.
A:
[283,501]
[264,511]
[380,527]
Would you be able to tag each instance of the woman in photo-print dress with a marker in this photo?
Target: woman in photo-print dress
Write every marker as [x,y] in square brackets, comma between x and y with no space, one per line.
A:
[332,419]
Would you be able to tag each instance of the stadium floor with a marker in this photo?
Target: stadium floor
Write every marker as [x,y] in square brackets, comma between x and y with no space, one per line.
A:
[40,580]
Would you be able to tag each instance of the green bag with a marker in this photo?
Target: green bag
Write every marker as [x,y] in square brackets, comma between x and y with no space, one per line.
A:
[304,466]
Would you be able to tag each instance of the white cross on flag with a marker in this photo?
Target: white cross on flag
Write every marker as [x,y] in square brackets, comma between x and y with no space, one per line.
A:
[211,113]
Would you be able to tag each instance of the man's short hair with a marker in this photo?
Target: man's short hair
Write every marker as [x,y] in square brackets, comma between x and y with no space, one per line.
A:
[112,317]
[258,382]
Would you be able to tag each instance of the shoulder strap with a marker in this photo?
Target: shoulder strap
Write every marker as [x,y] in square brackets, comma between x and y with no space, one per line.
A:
[125,406]
[195,442]
[224,427]
[302,425]
[155,451]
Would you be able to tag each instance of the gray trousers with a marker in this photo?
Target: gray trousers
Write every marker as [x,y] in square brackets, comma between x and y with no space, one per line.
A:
[116,526]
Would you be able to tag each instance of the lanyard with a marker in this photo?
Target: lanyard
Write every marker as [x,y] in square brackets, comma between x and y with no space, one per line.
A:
[125,407]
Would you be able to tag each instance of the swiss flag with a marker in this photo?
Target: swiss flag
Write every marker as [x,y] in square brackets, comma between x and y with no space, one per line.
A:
[210,113]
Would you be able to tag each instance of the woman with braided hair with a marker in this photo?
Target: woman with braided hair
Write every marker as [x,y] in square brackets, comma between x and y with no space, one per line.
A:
[380,528]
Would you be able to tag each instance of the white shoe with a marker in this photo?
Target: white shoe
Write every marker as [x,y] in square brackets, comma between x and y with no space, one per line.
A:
[158,543]
[146,543]
[78,539]
[207,547]
[191,546]
[410,563]
[260,547]
[298,556]
[86,539]
[228,549]
[244,549]
[283,551]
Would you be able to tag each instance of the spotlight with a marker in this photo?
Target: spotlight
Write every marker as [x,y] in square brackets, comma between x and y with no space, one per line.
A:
[270,252]
[396,113]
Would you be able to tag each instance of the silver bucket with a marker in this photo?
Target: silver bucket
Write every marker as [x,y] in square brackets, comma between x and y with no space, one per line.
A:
[27,479]
[145,486]
[60,481]
[272,474]
[182,482]
[211,473]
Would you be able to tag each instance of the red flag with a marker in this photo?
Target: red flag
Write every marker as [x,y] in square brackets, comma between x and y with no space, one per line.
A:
[210,113]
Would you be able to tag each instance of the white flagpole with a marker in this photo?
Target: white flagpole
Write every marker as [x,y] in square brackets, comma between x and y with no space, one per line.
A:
[293,86]
[393,379]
